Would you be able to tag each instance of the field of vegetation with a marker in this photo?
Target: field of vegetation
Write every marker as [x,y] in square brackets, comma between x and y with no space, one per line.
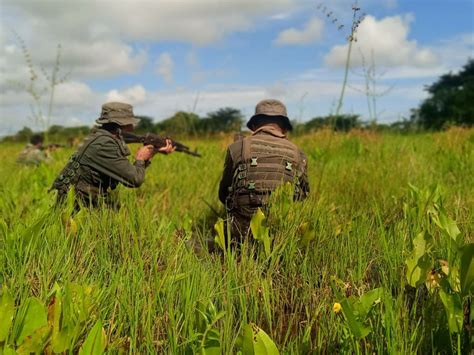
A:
[377,260]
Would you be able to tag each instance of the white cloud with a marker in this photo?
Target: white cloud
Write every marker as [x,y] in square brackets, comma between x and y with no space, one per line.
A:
[164,67]
[311,33]
[199,22]
[81,58]
[388,40]
[102,58]
[97,35]
[73,93]
[133,95]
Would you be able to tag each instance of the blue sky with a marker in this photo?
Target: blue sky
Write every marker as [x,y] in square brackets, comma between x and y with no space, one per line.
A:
[170,55]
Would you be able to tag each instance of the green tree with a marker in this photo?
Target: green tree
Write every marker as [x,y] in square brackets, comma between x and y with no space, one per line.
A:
[180,123]
[145,125]
[226,119]
[450,101]
[340,122]
[24,134]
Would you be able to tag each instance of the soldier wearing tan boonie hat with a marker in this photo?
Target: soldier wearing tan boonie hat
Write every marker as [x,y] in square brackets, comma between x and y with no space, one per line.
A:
[118,113]
[101,162]
[270,110]
[258,164]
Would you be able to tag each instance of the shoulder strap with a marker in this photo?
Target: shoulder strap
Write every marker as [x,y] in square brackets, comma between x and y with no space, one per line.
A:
[246,145]
[83,149]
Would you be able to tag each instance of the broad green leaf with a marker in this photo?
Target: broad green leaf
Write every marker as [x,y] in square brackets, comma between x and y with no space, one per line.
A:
[454,311]
[366,301]
[7,310]
[212,343]
[256,224]
[419,263]
[256,342]
[357,328]
[95,342]
[31,317]
[35,342]
[260,232]
[62,335]
[211,350]
[448,225]
[81,298]
[220,237]
[467,269]
[454,279]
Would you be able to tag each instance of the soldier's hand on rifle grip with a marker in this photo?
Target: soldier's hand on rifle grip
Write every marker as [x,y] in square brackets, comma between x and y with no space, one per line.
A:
[168,148]
[145,153]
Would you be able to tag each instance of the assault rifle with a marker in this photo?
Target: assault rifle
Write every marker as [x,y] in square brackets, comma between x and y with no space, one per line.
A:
[157,142]
[52,146]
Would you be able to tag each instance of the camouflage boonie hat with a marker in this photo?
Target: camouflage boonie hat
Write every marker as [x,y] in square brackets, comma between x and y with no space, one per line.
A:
[117,112]
[273,109]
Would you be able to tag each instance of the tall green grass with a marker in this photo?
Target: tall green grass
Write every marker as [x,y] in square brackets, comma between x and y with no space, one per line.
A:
[156,283]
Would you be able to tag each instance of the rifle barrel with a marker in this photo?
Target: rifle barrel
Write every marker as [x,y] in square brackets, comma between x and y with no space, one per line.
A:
[158,142]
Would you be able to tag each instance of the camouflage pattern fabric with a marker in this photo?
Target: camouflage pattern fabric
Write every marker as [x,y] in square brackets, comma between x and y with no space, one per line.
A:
[32,155]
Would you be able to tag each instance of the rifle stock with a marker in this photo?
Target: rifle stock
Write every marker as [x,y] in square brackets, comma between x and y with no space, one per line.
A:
[158,142]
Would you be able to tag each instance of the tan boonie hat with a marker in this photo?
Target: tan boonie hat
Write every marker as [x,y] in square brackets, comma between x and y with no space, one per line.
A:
[117,112]
[270,110]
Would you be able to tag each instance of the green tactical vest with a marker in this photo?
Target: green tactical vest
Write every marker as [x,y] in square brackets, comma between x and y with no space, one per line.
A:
[266,163]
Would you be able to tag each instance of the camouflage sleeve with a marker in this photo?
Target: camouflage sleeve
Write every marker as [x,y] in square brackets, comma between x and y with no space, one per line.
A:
[107,158]
[303,179]
[34,156]
[226,180]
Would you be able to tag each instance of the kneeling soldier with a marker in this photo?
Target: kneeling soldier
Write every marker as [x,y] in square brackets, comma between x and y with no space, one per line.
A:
[260,163]
[34,153]
[101,161]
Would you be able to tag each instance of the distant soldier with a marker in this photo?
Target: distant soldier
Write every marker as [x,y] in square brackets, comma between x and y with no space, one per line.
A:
[101,163]
[34,153]
[256,165]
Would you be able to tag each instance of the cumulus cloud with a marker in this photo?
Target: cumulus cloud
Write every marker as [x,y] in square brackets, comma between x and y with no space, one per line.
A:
[133,95]
[98,38]
[74,93]
[164,67]
[81,58]
[311,33]
[388,40]
[199,22]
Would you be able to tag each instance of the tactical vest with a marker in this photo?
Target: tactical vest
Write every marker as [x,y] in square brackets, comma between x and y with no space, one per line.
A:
[69,175]
[266,163]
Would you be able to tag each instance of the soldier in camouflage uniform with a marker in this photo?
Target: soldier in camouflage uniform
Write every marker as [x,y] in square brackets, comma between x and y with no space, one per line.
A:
[258,164]
[34,153]
[101,161]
